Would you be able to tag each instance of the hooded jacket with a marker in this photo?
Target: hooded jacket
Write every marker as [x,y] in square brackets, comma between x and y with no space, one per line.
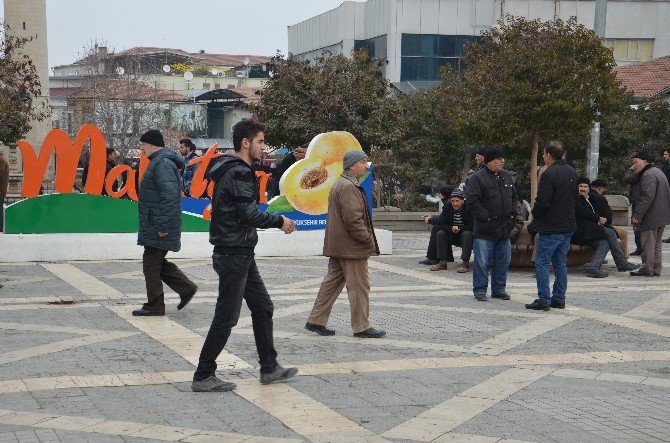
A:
[235,213]
[159,201]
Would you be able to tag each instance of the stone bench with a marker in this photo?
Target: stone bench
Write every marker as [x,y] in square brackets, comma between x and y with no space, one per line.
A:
[620,209]
[579,255]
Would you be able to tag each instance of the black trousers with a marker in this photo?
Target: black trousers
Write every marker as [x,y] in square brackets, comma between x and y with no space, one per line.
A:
[158,270]
[432,243]
[238,279]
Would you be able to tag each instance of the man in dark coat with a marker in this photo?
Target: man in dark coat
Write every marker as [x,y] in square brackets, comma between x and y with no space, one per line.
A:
[593,229]
[651,198]
[187,151]
[455,222]
[431,252]
[232,231]
[554,220]
[159,206]
[491,198]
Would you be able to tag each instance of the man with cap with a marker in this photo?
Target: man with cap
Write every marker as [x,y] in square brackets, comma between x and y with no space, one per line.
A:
[349,242]
[479,158]
[650,195]
[491,199]
[456,223]
[517,185]
[554,221]
[159,207]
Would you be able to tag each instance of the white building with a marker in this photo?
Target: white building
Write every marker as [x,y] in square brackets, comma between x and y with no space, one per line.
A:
[417,37]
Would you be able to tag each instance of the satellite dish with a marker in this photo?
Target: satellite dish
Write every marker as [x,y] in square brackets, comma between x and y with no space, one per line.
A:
[214,71]
[188,76]
[166,68]
[120,71]
[246,61]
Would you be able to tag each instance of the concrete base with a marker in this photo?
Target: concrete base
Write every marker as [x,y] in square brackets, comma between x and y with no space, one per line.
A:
[61,247]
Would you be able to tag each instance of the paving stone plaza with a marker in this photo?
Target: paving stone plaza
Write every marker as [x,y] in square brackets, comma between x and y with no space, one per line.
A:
[76,366]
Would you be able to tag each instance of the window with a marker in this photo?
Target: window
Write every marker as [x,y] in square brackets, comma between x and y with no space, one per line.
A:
[630,49]
[376,46]
[424,54]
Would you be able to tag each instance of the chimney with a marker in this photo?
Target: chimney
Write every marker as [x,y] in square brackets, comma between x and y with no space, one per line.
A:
[102,50]
[202,51]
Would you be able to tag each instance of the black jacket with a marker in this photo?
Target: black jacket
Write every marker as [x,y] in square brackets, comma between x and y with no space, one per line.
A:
[446,217]
[601,206]
[235,213]
[554,209]
[587,217]
[492,202]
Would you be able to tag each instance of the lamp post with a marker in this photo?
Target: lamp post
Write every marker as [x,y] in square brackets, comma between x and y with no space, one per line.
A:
[593,151]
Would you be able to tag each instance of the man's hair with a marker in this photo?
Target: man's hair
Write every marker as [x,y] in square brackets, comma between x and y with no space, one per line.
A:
[110,151]
[246,129]
[446,190]
[664,150]
[555,149]
[188,143]
[300,150]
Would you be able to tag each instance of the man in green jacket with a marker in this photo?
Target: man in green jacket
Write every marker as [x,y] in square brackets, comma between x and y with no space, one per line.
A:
[159,204]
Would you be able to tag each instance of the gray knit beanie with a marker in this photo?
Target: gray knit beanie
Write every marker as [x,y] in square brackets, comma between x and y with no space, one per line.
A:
[353,157]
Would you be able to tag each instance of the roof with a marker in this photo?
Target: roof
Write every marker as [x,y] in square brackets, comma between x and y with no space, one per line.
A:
[212,94]
[251,95]
[62,92]
[120,90]
[196,58]
[415,86]
[646,79]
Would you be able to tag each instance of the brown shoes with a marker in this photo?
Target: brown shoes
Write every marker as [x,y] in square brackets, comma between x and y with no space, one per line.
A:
[465,267]
[439,267]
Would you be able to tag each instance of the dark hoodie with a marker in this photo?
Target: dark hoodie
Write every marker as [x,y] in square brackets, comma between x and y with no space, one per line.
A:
[235,213]
[159,201]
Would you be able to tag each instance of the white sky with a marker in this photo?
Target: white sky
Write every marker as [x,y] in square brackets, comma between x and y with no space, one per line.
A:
[256,27]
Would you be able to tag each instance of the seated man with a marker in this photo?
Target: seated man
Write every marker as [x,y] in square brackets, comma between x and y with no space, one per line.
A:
[456,229]
[431,254]
[591,231]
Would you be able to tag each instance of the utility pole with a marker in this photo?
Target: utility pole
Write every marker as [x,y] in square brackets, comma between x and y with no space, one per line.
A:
[593,151]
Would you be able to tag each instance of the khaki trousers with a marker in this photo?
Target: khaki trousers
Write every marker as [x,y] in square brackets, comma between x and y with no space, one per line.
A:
[353,273]
[652,248]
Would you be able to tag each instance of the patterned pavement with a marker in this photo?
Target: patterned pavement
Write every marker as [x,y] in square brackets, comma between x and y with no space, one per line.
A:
[76,366]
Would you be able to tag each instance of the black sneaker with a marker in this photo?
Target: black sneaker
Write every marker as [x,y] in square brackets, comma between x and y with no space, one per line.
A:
[481,298]
[538,305]
[321,330]
[640,273]
[557,305]
[427,261]
[370,333]
[145,313]
[212,384]
[279,374]
[501,296]
[667,240]
[628,267]
[596,273]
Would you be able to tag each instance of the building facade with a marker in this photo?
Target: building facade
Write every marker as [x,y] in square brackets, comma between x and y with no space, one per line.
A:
[417,37]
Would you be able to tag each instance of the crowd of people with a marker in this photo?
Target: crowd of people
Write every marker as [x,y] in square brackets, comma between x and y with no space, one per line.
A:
[568,210]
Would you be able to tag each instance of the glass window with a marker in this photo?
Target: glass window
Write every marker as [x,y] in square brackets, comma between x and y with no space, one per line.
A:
[645,49]
[446,46]
[411,44]
[630,49]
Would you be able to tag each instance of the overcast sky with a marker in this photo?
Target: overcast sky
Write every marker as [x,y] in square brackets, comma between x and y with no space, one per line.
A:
[256,27]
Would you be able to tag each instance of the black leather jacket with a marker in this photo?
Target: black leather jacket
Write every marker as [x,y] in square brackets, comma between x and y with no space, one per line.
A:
[235,213]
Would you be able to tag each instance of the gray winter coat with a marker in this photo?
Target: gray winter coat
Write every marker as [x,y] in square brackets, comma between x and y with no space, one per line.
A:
[159,201]
[651,199]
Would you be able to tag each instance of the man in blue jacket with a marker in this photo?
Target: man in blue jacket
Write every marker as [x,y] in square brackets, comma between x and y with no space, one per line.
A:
[235,217]
[159,205]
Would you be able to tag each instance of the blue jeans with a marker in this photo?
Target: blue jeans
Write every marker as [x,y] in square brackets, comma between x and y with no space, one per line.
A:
[494,255]
[552,249]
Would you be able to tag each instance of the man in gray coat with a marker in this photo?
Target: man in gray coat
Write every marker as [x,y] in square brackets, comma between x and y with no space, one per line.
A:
[650,196]
[159,204]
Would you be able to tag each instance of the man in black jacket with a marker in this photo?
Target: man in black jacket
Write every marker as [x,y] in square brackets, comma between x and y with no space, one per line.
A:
[431,252]
[456,223]
[554,220]
[492,200]
[235,217]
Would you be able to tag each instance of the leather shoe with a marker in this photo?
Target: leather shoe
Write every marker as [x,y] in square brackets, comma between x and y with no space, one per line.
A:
[667,240]
[557,305]
[319,329]
[538,305]
[481,298]
[640,273]
[187,298]
[439,267]
[465,267]
[636,253]
[427,261]
[370,333]
[501,296]
[145,313]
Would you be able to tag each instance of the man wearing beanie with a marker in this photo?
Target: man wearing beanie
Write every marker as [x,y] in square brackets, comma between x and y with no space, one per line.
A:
[554,221]
[456,223]
[492,200]
[232,231]
[159,207]
[349,242]
[650,196]
[479,158]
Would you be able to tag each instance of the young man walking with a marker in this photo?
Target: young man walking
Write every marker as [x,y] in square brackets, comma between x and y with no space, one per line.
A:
[349,242]
[554,220]
[235,217]
[159,207]
[492,200]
